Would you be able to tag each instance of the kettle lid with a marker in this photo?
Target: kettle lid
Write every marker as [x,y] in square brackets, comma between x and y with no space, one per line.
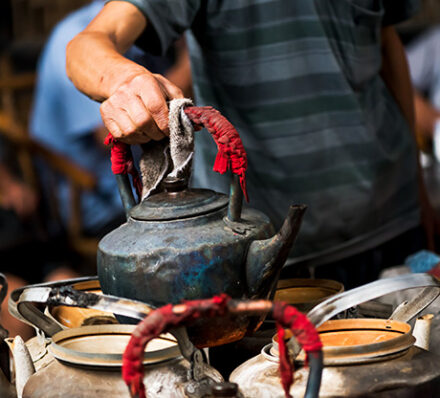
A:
[103,346]
[177,202]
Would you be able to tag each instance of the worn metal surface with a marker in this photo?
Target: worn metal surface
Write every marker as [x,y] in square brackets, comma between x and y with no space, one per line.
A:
[162,380]
[22,303]
[170,205]
[383,367]
[195,255]
[415,374]
[166,262]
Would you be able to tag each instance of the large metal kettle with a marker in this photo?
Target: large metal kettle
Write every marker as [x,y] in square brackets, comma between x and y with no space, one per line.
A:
[184,244]
[88,359]
[362,357]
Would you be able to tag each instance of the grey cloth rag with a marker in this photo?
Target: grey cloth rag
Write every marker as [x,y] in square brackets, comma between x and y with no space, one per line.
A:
[172,157]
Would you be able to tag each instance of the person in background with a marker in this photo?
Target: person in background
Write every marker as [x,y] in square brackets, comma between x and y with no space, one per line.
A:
[320,94]
[424,62]
[69,123]
[18,237]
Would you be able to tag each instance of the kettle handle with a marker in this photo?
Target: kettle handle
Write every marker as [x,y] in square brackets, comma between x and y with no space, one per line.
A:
[234,206]
[231,155]
[169,316]
[345,300]
[125,192]
[22,303]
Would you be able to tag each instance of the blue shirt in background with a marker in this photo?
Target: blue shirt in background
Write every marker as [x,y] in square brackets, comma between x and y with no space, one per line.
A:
[63,119]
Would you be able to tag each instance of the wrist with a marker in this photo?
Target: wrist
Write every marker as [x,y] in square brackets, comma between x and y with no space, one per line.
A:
[121,74]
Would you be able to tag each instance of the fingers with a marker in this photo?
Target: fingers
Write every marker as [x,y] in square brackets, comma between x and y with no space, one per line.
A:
[138,112]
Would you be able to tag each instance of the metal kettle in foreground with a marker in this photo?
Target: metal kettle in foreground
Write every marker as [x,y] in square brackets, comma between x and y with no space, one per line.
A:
[185,244]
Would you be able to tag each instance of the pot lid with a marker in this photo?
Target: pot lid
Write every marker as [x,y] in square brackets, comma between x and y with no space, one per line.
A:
[103,346]
[177,201]
[362,340]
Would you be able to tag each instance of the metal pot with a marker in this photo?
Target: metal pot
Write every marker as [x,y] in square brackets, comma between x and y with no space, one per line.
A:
[362,357]
[88,359]
[87,362]
[186,244]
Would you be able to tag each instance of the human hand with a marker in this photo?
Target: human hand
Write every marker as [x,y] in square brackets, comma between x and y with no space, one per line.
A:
[18,197]
[137,111]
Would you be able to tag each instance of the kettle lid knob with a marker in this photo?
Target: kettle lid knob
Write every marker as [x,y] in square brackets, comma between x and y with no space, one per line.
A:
[174,184]
[225,390]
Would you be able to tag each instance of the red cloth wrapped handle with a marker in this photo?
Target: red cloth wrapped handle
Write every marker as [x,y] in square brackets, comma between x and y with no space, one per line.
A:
[169,316]
[231,153]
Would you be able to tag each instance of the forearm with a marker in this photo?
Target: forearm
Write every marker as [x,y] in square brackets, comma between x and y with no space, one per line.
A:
[134,101]
[98,76]
[426,115]
[180,74]
[395,73]
[94,60]
[5,178]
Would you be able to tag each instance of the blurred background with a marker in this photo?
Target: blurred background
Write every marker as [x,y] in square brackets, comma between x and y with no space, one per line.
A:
[58,196]
[46,231]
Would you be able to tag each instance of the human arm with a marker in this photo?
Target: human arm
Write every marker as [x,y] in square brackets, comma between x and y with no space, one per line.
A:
[134,107]
[395,73]
[426,115]
[180,72]
[16,195]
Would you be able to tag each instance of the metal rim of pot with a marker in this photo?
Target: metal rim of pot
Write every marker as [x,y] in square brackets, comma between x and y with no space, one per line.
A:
[81,346]
[403,313]
[390,348]
[287,289]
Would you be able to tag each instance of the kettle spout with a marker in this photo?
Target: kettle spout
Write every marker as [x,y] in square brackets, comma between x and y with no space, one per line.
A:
[265,258]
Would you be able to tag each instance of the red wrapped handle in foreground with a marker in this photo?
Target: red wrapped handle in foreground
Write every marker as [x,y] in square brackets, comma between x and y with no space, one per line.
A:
[169,316]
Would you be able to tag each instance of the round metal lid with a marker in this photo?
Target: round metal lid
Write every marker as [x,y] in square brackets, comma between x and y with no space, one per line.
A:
[169,205]
[350,341]
[103,346]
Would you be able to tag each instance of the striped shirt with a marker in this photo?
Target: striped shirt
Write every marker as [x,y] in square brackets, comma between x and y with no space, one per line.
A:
[300,81]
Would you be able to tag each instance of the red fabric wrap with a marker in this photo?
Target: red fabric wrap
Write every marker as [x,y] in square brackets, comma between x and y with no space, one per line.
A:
[156,323]
[164,318]
[122,161]
[231,153]
[304,331]
[435,271]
